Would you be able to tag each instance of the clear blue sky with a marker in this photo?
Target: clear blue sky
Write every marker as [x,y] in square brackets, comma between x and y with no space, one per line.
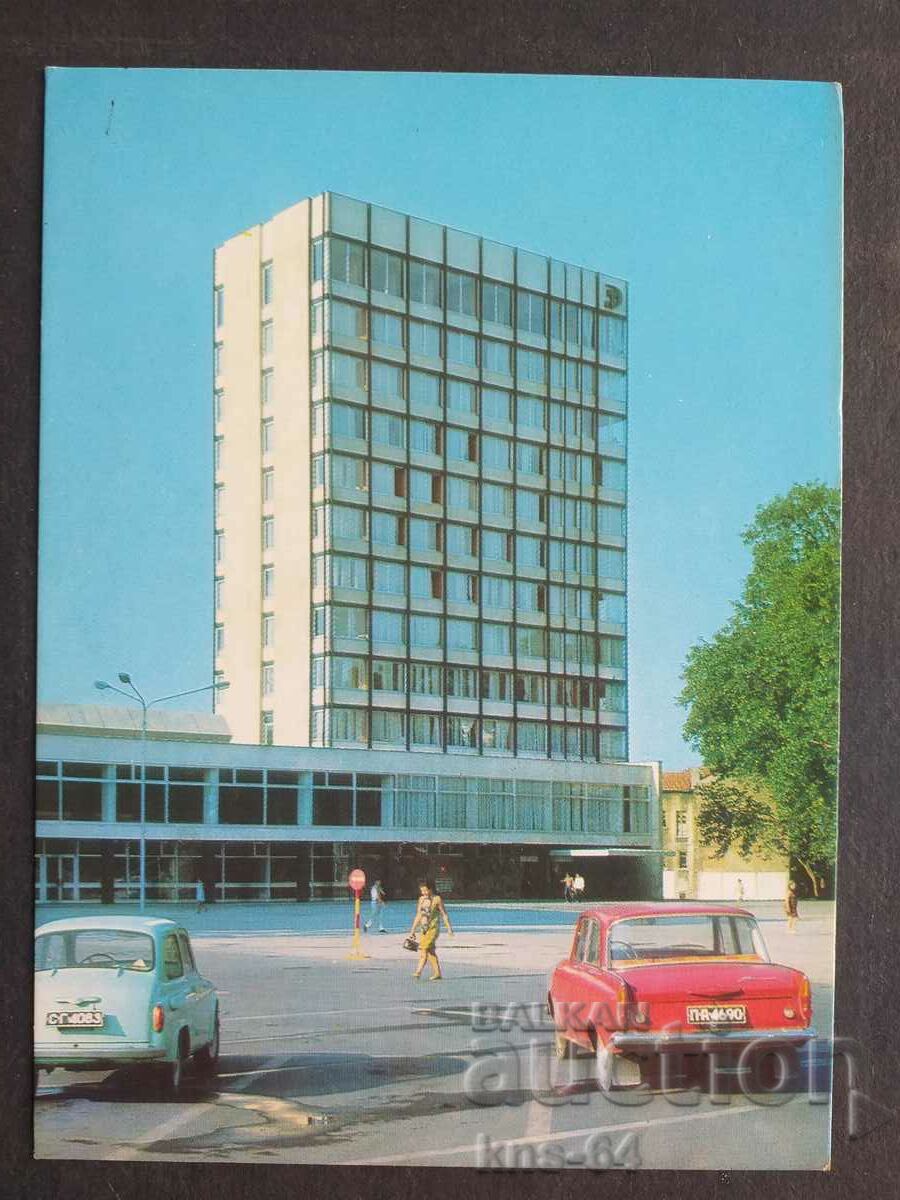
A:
[719,202]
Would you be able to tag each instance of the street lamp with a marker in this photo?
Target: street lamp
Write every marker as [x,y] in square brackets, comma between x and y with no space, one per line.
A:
[102,686]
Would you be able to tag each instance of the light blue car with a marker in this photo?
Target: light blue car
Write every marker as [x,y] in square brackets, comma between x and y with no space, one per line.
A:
[117,991]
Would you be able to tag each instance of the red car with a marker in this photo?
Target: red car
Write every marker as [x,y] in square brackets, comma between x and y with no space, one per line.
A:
[646,978]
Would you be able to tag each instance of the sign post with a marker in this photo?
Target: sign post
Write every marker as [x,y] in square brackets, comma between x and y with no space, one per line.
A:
[356,882]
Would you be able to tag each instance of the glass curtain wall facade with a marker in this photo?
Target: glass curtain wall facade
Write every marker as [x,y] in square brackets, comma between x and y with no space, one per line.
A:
[466,502]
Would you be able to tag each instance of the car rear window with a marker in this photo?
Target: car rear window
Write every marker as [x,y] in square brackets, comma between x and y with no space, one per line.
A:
[93,948]
[684,937]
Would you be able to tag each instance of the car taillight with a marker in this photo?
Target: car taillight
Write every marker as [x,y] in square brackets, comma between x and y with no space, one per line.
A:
[159,1018]
[805,1000]
[623,999]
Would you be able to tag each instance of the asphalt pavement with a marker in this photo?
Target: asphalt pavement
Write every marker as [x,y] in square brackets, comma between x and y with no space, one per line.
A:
[326,1059]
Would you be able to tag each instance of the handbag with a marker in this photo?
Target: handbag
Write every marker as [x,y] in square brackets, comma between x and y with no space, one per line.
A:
[410,943]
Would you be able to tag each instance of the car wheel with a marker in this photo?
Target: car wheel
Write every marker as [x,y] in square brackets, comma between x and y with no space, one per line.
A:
[207,1056]
[172,1073]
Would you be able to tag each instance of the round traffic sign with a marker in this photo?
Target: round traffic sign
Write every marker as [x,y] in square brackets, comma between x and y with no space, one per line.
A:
[357,879]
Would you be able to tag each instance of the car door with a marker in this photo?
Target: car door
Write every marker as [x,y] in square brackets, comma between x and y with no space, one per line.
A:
[201,994]
[177,986]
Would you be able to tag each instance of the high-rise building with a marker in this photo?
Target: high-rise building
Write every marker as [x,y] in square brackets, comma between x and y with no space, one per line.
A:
[420,490]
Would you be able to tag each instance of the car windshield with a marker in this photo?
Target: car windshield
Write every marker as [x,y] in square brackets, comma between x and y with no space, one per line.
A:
[114,948]
[685,937]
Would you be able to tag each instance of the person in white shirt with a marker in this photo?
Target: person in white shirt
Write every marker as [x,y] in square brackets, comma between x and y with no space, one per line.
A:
[376,907]
[578,886]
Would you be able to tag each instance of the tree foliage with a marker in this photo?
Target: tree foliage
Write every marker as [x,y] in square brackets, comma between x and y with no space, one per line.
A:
[762,694]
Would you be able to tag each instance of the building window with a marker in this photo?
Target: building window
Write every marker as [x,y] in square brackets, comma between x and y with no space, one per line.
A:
[268,582]
[267,337]
[462,348]
[389,728]
[387,380]
[268,532]
[496,357]
[462,732]
[460,293]
[425,339]
[496,303]
[496,452]
[388,676]
[267,728]
[349,421]
[219,295]
[387,429]
[462,683]
[218,590]
[217,358]
[425,389]
[425,632]
[425,284]
[268,630]
[219,638]
[496,405]
[387,273]
[496,639]
[496,735]
[531,313]
[267,282]
[681,826]
[267,386]
[496,592]
[387,329]
[218,492]
[462,635]
[218,404]
[348,262]
[682,860]
[317,259]
[532,737]
[425,680]
[425,437]
[220,546]
[388,627]
[267,435]
[268,484]
[424,729]
[532,366]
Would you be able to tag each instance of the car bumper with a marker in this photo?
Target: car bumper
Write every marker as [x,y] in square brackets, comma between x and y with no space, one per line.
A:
[104,1058]
[709,1039]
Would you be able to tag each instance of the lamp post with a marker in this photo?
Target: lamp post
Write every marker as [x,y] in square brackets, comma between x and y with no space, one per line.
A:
[145,704]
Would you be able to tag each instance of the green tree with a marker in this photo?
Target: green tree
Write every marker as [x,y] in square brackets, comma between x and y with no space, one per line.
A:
[762,694]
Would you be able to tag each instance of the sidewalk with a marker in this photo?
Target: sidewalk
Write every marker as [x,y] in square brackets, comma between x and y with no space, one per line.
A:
[332,916]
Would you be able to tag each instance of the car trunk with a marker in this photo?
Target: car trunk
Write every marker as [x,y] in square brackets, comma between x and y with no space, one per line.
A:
[668,990]
[123,996]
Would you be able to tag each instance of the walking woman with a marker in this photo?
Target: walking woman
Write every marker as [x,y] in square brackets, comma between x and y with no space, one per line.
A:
[430,912]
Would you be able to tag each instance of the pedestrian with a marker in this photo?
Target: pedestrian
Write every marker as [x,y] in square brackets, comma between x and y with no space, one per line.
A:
[740,891]
[569,895]
[376,907]
[790,907]
[578,886]
[430,912]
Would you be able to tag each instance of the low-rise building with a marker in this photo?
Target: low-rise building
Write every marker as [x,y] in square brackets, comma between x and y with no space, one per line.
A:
[252,822]
[691,870]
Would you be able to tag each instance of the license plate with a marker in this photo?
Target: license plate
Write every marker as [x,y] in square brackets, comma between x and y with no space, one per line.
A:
[717,1014]
[90,1019]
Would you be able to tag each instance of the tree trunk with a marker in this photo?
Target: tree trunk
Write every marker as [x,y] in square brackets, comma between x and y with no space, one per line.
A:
[813,877]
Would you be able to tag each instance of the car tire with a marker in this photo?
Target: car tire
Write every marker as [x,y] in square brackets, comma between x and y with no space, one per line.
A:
[207,1057]
[172,1074]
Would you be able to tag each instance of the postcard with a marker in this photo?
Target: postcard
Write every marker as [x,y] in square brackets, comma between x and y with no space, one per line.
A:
[438,620]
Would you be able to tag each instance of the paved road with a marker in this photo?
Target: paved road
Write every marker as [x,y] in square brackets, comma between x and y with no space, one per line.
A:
[332,1061]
